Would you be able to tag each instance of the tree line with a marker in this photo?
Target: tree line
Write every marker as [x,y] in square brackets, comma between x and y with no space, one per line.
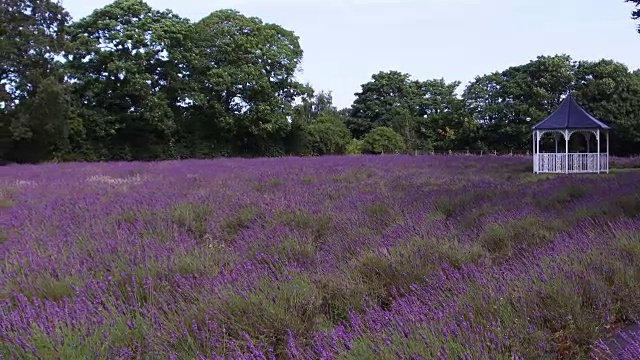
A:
[129,82]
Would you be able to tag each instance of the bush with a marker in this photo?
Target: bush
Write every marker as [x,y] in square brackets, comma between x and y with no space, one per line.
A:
[327,136]
[382,140]
[268,312]
[562,198]
[502,239]
[354,147]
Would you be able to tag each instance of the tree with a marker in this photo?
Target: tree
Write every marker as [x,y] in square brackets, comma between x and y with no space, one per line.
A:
[505,104]
[359,127]
[32,33]
[382,140]
[354,147]
[328,135]
[127,66]
[381,99]
[317,127]
[635,15]
[245,77]
[41,127]
[313,105]
[140,83]
[426,114]
[609,91]
[32,97]
[444,123]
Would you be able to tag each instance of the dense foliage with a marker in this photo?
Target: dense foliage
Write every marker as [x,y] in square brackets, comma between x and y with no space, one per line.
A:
[636,13]
[363,257]
[382,140]
[132,82]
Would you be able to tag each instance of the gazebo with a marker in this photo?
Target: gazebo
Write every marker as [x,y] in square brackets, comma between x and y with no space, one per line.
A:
[568,119]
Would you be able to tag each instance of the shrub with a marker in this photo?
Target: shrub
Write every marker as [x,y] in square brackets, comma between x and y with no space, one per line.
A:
[452,205]
[207,260]
[267,185]
[64,342]
[267,312]
[354,147]
[502,239]
[4,236]
[316,226]
[404,265]
[627,205]
[340,294]
[563,197]
[242,219]
[192,217]
[327,135]
[294,249]
[5,203]
[382,140]
[497,240]
[381,214]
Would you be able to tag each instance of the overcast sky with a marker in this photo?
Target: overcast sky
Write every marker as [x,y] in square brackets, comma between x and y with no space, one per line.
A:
[346,41]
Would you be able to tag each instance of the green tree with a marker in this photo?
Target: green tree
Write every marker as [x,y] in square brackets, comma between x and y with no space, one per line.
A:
[383,98]
[505,104]
[246,86]
[635,15]
[41,128]
[127,65]
[313,105]
[426,114]
[328,135]
[354,147]
[444,122]
[32,97]
[32,33]
[317,128]
[609,91]
[382,140]
[359,127]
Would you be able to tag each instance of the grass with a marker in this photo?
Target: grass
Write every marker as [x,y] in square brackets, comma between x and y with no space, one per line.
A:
[5,203]
[231,226]
[4,236]
[315,226]
[192,217]
[503,238]
[266,186]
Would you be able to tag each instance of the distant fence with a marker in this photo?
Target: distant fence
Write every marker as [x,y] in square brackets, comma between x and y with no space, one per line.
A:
[632,161]
[473,152]
[493,153]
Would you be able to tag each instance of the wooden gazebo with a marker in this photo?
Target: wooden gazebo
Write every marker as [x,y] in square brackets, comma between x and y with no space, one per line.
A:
[568,119]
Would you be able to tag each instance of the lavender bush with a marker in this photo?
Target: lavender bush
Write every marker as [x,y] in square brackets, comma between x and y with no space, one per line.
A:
[333,258]
[625,162]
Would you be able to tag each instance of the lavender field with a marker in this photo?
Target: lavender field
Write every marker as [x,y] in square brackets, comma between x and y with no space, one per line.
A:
[389,257]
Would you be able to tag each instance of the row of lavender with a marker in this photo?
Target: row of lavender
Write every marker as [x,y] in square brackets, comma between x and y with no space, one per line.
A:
[335,257]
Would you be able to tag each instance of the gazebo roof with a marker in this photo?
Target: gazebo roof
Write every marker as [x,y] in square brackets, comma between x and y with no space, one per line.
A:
[570,116]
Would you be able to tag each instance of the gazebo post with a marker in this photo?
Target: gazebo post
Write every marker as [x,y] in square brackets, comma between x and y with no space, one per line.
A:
[566,149]
[535,156]
[588,141]
[598,135]
[607,136]
[538,135]
[537,146]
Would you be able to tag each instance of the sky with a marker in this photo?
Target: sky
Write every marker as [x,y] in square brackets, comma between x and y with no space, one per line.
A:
[347,41]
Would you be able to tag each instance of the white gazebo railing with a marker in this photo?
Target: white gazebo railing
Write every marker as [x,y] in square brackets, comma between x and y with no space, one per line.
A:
[571,163]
